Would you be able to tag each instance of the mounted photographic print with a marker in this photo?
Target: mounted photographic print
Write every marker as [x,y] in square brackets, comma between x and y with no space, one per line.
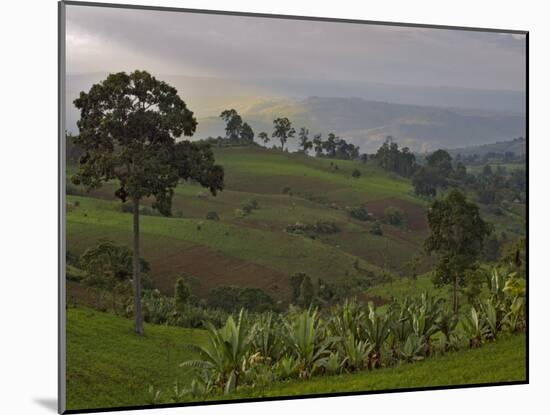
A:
[261,207]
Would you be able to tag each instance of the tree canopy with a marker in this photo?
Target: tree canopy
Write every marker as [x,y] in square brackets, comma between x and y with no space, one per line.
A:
[127,132]
[283,130]
[457,233]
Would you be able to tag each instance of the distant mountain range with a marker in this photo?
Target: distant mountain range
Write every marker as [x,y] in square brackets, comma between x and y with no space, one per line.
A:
[517,146]
[422,118]
[368,123]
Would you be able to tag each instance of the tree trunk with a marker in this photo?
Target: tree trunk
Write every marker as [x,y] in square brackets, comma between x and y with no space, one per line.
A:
[136,270]
[455,294]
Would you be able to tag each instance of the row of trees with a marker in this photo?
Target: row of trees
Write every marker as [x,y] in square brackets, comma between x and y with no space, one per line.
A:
[239,132]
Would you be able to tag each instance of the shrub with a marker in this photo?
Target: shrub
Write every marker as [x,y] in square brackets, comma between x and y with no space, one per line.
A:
[360,213]
[376,228]
[307,293]
[182,293]
[231,299]
[321,227]
[250,205]
[326,227]
[393,216]
[212,215]
[295,283]
[355,173]
[157,309]
[71,189]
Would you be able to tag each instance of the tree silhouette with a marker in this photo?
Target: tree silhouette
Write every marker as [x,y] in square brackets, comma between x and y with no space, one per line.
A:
[305,144]
[264,137]
[233,124]
[283,130]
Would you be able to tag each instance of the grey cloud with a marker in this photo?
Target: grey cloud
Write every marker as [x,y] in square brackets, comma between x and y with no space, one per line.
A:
[246,47]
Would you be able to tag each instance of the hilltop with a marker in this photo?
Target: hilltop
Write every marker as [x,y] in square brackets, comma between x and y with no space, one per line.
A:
[368,123]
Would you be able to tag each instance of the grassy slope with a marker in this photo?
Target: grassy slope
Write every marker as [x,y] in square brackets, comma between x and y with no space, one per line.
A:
[109,366]
[256,245]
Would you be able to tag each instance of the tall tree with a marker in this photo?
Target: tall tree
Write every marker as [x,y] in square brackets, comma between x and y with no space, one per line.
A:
[303,136]
[331,144]
[318,144]
[441,161]
[247,134]
[264,137]
[283,130]
[457,232]
[233,124]
[128,126]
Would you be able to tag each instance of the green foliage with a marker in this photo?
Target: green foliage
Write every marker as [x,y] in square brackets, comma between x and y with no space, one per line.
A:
[231,298]
[182,294]
[157,308]
[212,215]
[475,328]
[307,293]
[376,228]
[287,367]
[283,130]
[376,330]
[305,144]
[457,232]
[426,181]
[394,216]
[441,162]
[264,137]
[127,132]
[356,173]
[249,205]
[224,353]
[390,158]
[306,342]
[414,349]
[94,353]
[319,228]
[360,213]
[295,284]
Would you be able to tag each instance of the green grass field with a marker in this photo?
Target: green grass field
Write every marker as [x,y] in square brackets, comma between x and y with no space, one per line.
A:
[254,250]
[107,365]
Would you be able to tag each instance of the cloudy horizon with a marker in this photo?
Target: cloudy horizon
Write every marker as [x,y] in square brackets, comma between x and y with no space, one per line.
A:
[100,39]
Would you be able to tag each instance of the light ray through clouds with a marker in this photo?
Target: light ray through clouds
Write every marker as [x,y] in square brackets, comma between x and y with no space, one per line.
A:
[110,39]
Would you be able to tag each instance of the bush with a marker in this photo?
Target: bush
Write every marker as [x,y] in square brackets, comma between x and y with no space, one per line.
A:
[355,173]
[360,213]
[71,189]
[232,299]
[182,293]
[250,205]
[212,215]
[394,216]
[375,228]
[321,227]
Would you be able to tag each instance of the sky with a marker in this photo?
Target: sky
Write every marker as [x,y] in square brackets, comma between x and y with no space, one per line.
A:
[174,43]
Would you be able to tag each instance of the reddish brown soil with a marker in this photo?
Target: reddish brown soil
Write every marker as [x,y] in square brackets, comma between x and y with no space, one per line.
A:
[415,215]
[213,269]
